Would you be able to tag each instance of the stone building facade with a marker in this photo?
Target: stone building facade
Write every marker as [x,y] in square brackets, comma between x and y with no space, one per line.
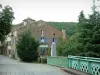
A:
[41,30]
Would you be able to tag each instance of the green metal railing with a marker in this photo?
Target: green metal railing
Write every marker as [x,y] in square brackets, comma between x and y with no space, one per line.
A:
[57,61]
[84,64]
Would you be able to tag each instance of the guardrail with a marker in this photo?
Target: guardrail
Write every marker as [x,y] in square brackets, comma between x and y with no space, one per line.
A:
[57,61]
[85,64]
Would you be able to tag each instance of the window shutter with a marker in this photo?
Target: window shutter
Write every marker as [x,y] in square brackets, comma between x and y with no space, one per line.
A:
[39,39]
[51,40]
[45,40]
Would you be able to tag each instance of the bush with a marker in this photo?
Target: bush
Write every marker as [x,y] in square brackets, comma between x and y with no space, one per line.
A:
[27,47]
[61,46]
[48,51]
[90,54]
[42,60]
[39,60]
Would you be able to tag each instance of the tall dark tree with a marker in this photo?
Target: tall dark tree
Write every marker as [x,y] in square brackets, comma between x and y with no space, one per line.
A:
[6,18]
[90,36]
[81,31]
[96,34]
[81,17]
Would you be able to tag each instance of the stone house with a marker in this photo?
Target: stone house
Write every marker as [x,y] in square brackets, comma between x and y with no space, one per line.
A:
[41,30]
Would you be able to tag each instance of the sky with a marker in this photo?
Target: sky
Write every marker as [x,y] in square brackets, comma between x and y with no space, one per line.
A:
[48,10]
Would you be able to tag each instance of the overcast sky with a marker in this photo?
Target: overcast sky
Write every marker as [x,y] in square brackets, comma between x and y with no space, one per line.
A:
[48,10]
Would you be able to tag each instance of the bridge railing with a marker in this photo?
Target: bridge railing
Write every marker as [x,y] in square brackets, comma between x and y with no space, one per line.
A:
[57,61]
[85,64]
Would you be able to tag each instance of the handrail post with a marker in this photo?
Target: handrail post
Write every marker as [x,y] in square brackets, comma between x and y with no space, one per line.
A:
[89,66]
[78,63]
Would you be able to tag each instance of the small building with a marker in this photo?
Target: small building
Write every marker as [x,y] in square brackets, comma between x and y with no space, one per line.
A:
[41,30]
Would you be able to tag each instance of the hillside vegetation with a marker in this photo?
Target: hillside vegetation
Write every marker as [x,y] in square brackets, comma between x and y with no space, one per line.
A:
[69,26]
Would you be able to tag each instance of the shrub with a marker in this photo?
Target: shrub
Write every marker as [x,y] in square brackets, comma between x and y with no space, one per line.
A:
[39,60]
[61,46]
[43,59]
[48,51]
[27,47]
[90,54]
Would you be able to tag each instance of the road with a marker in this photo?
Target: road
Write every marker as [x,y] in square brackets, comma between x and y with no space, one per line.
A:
[14,67]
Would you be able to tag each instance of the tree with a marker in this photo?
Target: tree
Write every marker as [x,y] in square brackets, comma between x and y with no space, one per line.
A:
[27,47]
[86,40]
[61,46]
[6,18]
[0,6]
[81,17]
[69,26]
[96,34]
[71,44]
[90,36]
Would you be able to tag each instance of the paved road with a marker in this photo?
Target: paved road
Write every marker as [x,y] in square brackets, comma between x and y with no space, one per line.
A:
[14,67]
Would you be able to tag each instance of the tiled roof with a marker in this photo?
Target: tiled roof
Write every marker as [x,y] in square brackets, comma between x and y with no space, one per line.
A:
[37,27]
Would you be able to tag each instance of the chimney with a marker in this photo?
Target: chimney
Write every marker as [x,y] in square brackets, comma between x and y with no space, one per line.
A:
[64,33]
[25,23]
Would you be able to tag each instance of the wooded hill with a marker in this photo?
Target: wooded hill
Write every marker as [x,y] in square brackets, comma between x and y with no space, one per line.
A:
[69,26]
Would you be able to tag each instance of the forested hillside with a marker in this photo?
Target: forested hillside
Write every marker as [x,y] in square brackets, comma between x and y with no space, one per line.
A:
[69,26]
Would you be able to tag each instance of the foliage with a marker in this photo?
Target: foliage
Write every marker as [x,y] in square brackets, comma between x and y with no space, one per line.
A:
[48,51]
[69,26]
[3,48]
[90,36]
[86,39]
[6,18]
[82,17]
[27,47]
[42,60]
[61,46]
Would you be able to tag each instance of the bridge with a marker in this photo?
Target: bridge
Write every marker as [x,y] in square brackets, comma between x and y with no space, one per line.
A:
[86,65]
